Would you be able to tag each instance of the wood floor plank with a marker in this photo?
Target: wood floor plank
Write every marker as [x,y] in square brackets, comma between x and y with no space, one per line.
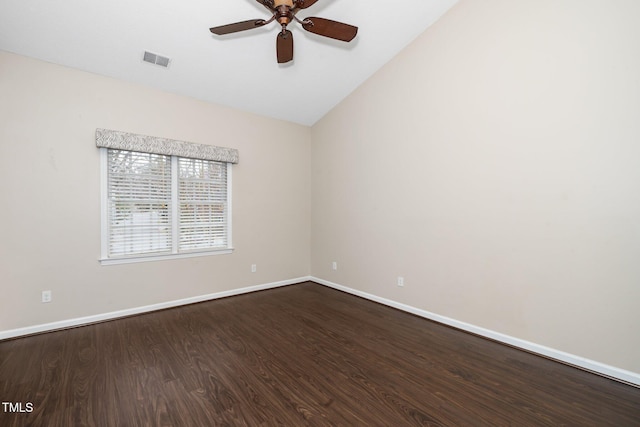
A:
[293,356]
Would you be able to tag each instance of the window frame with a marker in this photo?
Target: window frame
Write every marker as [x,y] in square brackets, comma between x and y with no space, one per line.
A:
[104,219]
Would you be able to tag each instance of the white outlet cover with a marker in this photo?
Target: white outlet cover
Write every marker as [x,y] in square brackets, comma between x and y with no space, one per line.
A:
[46,296]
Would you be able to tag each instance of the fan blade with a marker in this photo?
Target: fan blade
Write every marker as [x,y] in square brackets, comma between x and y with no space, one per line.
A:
[303,4]
[269,4]
[284,46]
[238,26]
[332,29]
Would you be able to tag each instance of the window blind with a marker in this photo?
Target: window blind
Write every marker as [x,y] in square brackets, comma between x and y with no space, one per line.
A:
[157,206]
[202,194]
[138,203]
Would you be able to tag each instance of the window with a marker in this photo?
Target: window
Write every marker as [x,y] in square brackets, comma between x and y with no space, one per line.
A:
[202,198]
[157,206]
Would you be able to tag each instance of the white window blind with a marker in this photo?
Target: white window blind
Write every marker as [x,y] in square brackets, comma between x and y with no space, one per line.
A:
[202,192]
[157,206]
[139,201]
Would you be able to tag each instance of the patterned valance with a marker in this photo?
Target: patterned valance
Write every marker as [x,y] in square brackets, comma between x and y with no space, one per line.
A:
[152,144]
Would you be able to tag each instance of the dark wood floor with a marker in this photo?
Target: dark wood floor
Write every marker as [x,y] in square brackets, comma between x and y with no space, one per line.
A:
[299,355]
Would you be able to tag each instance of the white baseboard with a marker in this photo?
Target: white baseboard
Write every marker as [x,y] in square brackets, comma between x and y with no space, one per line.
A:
[580,362]
[81,321]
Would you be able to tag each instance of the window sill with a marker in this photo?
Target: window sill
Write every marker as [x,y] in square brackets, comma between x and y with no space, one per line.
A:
[149,258]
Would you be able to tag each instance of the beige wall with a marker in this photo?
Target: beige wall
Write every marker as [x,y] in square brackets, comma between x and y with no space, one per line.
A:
[495,165]
[50,195]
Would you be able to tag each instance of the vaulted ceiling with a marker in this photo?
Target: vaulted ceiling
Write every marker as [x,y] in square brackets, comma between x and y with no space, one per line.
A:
[237,70]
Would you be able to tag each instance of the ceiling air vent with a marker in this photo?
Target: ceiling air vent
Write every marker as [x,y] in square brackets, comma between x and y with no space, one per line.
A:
[156,59]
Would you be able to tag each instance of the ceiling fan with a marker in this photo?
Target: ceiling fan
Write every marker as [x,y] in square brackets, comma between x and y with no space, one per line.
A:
[284,11]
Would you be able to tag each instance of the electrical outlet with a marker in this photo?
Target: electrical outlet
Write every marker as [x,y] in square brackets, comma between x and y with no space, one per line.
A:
[46,296]
[254,268]
[400,281]
[334,265]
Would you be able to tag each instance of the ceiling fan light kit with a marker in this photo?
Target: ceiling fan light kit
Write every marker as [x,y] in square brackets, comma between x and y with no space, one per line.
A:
[284,11]
[278,3]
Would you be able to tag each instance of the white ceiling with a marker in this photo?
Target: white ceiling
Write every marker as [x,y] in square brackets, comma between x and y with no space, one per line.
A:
[109,37]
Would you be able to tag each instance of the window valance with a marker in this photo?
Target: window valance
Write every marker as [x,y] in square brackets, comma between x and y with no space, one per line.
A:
[151,144]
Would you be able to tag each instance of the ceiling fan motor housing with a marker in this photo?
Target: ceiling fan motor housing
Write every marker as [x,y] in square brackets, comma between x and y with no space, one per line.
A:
[283,11]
